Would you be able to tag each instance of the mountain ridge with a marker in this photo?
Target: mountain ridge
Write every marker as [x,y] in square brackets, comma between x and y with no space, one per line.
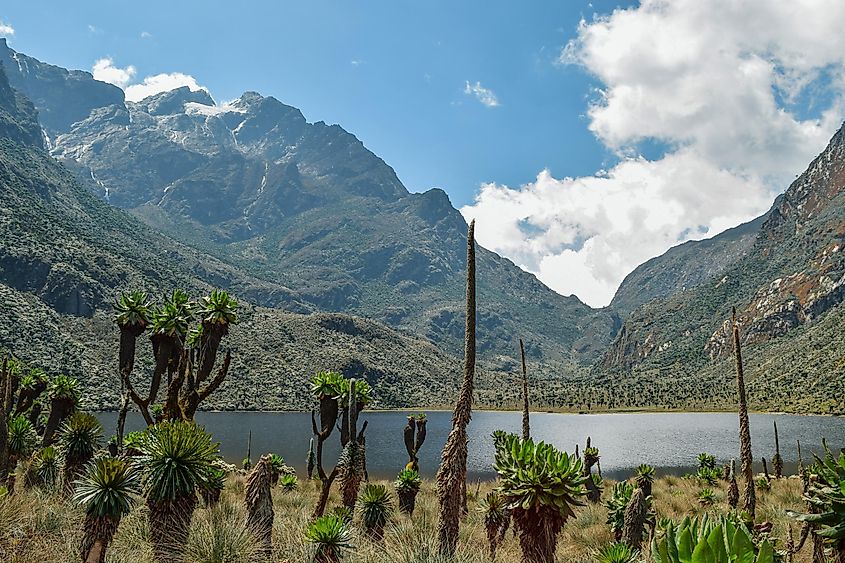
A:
[308,205]
[306,225]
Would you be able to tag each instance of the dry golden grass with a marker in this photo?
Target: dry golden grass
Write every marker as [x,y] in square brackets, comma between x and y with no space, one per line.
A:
[40,527]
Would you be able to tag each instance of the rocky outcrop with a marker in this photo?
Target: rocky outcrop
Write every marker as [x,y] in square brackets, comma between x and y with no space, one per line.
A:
[62,97]
[791,274]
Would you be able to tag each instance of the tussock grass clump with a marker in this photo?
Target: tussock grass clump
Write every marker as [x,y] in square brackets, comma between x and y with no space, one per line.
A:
[38,526]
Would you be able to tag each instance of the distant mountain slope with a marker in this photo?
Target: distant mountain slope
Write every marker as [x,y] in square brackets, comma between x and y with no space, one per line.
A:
[66,254]
[685,267]
[307,206]
[792,274]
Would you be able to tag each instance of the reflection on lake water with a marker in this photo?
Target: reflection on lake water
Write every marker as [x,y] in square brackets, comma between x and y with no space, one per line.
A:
[669,441]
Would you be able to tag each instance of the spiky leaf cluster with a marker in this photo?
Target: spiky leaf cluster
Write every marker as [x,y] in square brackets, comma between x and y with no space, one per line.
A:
[216,479]
[218,308]
[80,436]
[500,438]
[494,508]
[64,387]
[407,480]
[363,392]
[171,320]
[827,495]
[288,482]
[108,487]
[32,378]
[706,497]
[328,384]
[706,461]
[619,498]
[538,475]
[644,474]
[132,308]
[591,455]
[46,465]
[22,437]
[330,535]
[278,465]
[177,458]
[617,553]
[134,439]
[708,475]
[375,506]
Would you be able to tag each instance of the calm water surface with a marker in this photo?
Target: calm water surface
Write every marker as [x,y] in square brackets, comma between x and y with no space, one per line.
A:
[669,441]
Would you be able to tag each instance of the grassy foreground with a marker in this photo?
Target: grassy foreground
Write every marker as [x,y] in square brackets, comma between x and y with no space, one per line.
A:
[38,526]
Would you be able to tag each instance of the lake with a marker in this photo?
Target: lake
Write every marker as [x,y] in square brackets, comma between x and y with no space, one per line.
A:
[670,442]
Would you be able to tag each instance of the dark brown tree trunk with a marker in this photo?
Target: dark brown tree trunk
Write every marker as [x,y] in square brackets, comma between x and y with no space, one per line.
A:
[170,522]
[526,427]
[451,476]
[407,501]
[27,397]
[60,409]
[409,437]
[99,532]
[195,395]
[213,334]
[733,488]
[538,530]
[5,408]
[777,461]
[635,517]
[750,499]
[325,489]
[419,439]
[259,506]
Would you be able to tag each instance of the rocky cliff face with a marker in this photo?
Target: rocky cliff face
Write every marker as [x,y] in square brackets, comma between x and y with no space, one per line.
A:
[808,220]
[790,271]
[18,117]
[62,97]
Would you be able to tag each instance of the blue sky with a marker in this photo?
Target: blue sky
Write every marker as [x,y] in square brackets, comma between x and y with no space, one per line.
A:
[584,137]
[391,72]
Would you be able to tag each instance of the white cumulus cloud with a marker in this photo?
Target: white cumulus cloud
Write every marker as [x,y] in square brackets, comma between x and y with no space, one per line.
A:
[104,69]
[160,83]
[742,95]
[482,94]
[6,30]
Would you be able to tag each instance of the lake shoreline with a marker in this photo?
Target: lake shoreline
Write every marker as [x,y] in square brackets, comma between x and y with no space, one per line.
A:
[503,410]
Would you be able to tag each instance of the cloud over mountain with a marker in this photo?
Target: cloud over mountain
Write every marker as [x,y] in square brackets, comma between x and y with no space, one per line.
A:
[739,96]
[104,69]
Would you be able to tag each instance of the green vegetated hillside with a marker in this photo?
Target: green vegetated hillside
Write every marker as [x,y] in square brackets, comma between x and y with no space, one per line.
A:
[315,234]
